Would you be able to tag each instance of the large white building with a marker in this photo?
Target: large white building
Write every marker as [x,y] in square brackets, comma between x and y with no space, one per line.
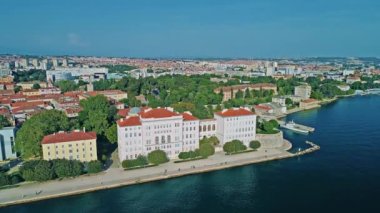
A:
[145,130]
[142,132]
[303,91]
[235,124]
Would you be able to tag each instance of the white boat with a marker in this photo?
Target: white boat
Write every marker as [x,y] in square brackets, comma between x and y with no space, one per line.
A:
[295,127]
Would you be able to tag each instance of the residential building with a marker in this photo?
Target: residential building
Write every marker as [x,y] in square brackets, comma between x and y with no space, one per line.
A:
[77,145]
[7,143]
[235,124]
[146,130]
[112,94]
[303,91]
[230,92]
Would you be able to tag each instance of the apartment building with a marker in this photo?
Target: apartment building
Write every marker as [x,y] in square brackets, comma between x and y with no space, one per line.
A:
[77,145]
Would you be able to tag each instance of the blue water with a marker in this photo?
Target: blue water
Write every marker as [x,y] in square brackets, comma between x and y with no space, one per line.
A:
[344,176]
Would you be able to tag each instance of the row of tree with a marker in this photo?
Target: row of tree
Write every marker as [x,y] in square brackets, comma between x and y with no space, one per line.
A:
[42,170]
[155,157]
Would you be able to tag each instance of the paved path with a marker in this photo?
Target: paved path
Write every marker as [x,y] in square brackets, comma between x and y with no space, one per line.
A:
[115,177]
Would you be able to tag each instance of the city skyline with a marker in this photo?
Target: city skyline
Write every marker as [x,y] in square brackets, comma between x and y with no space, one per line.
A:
[196,29]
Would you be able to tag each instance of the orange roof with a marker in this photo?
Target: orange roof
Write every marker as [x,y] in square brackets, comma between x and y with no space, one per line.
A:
[68,137]
[26,104]
[123,112]
[263,107]
[309,100]
[234,112]
[189,117]
[157,113]
[130,121]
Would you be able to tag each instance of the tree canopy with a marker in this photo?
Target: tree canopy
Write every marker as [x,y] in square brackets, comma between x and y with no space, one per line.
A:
[29,137]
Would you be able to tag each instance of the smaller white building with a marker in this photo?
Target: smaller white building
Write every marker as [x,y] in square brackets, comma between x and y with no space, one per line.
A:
[207,128]
[235,124]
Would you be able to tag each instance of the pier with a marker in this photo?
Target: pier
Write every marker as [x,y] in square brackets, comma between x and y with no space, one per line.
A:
[313,147]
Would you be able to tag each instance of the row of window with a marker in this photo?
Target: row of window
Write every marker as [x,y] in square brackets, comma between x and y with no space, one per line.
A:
[207,128]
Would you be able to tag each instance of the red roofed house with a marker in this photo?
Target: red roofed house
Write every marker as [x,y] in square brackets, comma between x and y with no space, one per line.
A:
[75,145]
[145,130]
[235,124]
[309,103]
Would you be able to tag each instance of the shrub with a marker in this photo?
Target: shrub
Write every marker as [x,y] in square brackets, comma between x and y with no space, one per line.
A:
[254,144]
[37,170]
[138,162]
[157,157]
[15,179]
[67,168]
[184,155]
[4,179]
[94,167]
[206,150]
[234,146]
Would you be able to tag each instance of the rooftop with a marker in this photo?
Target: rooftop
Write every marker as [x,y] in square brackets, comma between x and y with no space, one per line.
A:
[129,121]
[68,137]
[234,112]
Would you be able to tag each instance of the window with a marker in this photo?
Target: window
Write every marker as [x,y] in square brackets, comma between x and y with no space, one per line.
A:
[163,139]
[157,140]
[169,138]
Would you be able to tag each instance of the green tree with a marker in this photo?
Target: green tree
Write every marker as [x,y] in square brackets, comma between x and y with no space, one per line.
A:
[94,167]
[111,133]
[234,146]
[138,162]
[36,86]
[206,150]
[4,179]
[97,114]
[4,122]
[288,101]
[157,157]
[37,170]
[254,144]
[67,85]
[67,168]
[28,138]
[183,155]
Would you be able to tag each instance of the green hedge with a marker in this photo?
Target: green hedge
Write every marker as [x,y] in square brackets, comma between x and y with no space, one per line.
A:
[140,161]
[157,157]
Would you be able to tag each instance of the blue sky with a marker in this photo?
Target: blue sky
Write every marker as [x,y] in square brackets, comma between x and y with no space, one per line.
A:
[191,28]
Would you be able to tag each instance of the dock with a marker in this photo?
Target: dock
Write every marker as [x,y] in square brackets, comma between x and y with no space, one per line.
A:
[313,147]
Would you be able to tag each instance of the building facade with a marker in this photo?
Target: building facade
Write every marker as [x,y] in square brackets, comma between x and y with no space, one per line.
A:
[235,124]
[207,128]
[7,143]
[142,132]
[303,91]
[75,145]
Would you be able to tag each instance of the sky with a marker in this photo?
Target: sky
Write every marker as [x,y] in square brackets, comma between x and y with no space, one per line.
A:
[191,28]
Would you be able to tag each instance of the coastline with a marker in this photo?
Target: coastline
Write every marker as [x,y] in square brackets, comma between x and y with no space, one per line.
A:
[158,177]
[116,178]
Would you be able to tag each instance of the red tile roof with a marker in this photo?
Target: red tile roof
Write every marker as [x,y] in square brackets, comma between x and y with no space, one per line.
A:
[68,137]
[131,121]
[157,113]
[309,100]
[123,112]
[189,117]
[234,112]
[263,107]
[27,104]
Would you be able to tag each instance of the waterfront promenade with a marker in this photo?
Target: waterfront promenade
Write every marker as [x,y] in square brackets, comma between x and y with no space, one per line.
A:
[116,177]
